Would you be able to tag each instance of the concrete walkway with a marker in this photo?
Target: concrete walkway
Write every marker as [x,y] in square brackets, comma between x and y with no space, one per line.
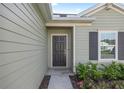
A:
[59,79]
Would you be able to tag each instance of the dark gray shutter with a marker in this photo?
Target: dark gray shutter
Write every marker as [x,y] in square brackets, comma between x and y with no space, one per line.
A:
[93,46]
[121,45]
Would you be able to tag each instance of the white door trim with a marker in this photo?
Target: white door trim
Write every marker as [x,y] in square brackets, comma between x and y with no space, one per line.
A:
[74,64]
[66,50]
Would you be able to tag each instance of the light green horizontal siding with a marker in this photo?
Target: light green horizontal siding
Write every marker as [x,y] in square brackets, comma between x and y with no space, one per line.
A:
[105,20]
[23,46]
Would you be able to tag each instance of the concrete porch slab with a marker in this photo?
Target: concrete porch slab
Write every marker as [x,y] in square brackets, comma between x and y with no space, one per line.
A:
[59,72]
[60,79]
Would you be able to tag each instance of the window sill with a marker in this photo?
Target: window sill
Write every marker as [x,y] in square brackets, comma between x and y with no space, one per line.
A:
[107,60]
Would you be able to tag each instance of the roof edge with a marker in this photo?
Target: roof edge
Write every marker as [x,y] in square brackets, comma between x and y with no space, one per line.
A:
[90,9]
[98,6]
[46,10]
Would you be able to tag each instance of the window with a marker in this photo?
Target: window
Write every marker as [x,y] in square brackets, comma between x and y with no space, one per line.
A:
[107,45]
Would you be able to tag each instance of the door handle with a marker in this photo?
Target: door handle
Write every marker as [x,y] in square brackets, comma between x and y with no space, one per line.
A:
[66,50]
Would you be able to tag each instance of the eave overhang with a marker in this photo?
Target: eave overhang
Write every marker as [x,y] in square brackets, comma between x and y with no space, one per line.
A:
[46,10]
[73,19]
[69,22]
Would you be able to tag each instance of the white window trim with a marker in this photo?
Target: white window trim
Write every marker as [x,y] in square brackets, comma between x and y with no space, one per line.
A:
[99,46]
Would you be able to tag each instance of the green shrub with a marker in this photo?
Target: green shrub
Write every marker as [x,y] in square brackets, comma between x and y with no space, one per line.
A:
[114,71]
[106,76]
[88,70]
[82,70]
[94,72]
[121,70]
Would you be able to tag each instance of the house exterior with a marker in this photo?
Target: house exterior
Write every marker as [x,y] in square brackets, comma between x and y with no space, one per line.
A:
[33,40]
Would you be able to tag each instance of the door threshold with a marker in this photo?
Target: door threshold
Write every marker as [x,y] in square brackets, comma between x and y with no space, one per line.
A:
[59,71]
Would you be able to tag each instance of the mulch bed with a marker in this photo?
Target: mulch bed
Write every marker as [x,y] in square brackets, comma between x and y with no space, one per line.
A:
[45,82]
[101,84]
[74,80]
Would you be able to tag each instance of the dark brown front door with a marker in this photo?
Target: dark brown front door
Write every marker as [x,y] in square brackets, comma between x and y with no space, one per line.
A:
[59,49]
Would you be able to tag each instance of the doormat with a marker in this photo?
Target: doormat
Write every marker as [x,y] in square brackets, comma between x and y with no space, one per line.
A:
[45,82]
